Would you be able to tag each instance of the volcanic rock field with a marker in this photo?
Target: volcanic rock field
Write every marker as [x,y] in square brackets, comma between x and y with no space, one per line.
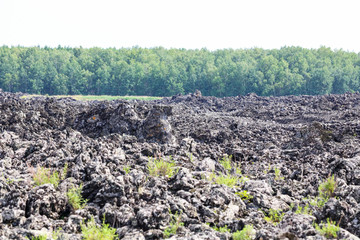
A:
[279,150]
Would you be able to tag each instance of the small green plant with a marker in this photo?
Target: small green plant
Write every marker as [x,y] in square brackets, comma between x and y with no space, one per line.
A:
[327,188]
[175,223]
[56,234]
[64,172]
[318,202]
[304,210]
[227,180]
[278,174]
[191,157]
[226,162]
[40,237]
[75,199]
[328,230]
[247,233]
[160,167]
[244,195]
[90,231]
[127,169]
[238,169]
[274,216]
[221,229]
[43,176]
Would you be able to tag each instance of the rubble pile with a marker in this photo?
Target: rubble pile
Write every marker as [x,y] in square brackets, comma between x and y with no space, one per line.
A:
[280,150]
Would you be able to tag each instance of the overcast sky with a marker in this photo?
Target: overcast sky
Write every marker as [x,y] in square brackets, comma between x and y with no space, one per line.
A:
[186,24]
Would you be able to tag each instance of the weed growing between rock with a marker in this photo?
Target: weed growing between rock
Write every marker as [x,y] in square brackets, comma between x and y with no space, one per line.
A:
[247,233]
[43,176]
[160,167]
[328,230]
[40,237]
[221,229]
[75,199]
[327,188]
[303,210]
[175,223]
[127,169]
[244,195]
[90,231]
[278,174]
[274,216]
[226,162]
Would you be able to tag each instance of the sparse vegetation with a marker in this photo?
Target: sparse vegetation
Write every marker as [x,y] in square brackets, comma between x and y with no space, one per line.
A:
[274,216]
[90,231]
[226,162]
[227,180]
[43,176]
[64,172]
[278,174]
[160,167]
[247,233]
[327,188]
[56,234]
[127,169]
[175,223]
[75,199]
[40,237]
[221,229]
[244,195]
[303,210]
[328,230]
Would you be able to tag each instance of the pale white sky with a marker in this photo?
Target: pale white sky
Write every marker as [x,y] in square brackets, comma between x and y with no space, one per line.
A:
[186,24]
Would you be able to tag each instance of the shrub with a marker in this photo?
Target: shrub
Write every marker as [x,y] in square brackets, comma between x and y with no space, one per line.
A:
[175,223]
[328,230]
[274,216]
[75,199]
[159,167]
[90,231]
[247,233]
[327,188]
[43,176]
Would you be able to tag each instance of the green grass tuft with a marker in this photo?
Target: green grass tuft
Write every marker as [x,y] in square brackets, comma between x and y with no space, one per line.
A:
[43,176]
[221,229]
[274,216]
[90,231]
[247,233]
[244,195]
[160,167]
[328,230]
[175,223]
[75,199]
[327,188]
[226,162]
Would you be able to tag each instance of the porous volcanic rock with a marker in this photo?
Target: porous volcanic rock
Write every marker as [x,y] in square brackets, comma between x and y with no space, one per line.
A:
[282,149]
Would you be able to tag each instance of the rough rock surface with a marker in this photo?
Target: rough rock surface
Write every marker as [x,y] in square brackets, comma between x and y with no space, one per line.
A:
[305,138]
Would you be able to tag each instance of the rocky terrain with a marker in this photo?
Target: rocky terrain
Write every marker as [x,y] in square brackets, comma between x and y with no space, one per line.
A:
[282,149]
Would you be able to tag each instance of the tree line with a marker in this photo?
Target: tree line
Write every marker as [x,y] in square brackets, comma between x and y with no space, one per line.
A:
[165,72]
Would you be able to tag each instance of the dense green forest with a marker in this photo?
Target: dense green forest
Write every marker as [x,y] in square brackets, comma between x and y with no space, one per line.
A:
[165,72]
